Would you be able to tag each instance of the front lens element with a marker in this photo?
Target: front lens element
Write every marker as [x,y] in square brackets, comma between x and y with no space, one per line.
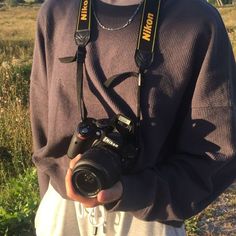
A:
[86,183]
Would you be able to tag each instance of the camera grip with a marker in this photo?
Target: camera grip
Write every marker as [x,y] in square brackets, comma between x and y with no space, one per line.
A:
[76,146]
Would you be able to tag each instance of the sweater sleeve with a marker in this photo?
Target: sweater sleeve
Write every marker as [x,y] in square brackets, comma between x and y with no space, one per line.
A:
[38,100]
[202,163]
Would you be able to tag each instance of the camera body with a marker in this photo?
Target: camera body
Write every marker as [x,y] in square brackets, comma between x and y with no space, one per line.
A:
[108,148]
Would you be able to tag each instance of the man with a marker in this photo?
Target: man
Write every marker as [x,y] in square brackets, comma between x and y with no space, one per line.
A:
[186,140]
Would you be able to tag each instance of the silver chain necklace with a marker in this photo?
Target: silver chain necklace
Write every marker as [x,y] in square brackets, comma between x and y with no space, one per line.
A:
[120,27]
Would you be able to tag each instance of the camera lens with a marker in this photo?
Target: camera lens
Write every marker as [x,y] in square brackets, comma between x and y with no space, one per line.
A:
[97,169]
[86,183]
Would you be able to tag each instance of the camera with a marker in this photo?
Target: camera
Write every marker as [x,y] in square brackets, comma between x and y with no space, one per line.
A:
[108,148]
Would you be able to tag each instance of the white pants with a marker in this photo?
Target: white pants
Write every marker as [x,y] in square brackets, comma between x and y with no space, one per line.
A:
[59,217]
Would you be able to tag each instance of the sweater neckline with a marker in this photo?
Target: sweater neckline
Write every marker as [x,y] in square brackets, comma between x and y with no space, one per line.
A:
[114,15]
[114,5]
[104,8]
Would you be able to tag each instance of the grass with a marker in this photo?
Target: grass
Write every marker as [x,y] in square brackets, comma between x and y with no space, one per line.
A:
[229,16]
[18,23]
[216,220]
[16,49]
[18,182]
[19,195]
[18,203]
[15,136]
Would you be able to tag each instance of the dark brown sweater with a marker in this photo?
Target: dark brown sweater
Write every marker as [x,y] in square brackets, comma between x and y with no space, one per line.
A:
[188,99]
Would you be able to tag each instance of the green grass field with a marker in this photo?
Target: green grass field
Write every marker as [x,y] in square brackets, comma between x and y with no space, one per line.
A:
[18,181]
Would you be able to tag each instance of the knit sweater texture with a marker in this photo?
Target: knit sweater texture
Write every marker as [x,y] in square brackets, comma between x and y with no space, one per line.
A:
[187,136]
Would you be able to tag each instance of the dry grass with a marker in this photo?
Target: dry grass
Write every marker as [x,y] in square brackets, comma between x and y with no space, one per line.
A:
[218,219]
[18,23]
[17,26]
[229,16]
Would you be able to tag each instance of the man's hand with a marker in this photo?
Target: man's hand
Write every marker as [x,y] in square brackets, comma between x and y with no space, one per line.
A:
[104,196]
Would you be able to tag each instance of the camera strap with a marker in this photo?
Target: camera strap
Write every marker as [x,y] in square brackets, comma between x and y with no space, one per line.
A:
[82,37]
[144,53]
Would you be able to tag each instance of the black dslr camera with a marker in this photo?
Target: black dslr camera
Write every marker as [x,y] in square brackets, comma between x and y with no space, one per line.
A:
[108,148]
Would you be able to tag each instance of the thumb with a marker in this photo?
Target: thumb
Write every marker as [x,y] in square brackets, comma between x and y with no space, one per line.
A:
[110,195]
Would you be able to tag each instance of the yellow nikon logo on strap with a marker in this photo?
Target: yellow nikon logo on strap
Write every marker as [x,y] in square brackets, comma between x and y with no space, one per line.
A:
[84,11]
[147,29]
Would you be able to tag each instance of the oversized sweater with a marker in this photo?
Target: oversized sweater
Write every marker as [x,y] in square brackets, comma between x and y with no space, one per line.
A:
[187,136]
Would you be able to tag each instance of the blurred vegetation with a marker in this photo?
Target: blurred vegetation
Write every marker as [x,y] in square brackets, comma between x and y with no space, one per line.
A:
[19,194]
[18,203]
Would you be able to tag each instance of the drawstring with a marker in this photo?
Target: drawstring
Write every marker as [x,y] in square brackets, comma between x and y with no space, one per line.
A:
[80,211]
[96,216]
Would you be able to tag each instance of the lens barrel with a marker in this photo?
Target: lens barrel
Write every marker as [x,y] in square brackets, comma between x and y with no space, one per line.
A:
[97,169]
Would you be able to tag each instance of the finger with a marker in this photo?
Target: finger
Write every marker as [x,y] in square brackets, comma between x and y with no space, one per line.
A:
[68,184]
[74,161]
[110,195]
